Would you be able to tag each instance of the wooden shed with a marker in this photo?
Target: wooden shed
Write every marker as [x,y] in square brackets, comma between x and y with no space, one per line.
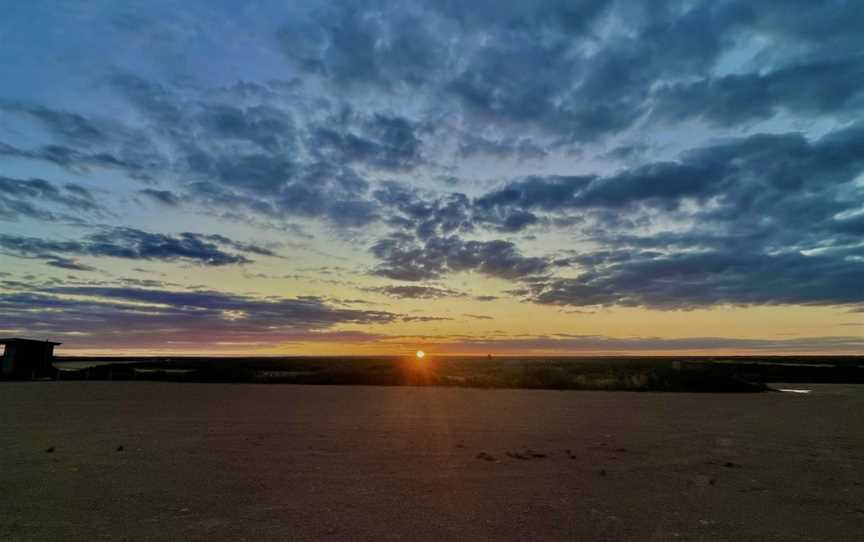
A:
[27,359]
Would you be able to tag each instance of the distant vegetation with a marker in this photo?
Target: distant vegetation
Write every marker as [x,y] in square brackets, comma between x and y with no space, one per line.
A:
[737,374]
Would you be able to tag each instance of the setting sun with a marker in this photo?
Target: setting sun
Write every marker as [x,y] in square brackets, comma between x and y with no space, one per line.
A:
[420,354]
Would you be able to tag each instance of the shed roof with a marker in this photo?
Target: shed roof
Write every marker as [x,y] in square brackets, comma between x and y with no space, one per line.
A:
[30,341]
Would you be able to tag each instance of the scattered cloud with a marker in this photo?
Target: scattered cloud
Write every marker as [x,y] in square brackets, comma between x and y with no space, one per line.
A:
[163,197]
[673,155]
[38,199]
[129,243]
[691,280]
[408,259]
[106,316]
[416,292]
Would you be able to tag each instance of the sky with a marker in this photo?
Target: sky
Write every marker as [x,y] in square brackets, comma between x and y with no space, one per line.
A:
[550,177]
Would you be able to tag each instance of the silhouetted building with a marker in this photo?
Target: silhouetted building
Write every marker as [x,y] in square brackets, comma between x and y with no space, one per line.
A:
[26,358]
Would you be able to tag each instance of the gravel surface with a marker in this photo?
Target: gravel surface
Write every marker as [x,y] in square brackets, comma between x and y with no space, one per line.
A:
[161,461]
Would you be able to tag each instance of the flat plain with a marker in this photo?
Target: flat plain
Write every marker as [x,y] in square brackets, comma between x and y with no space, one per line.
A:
[178,461]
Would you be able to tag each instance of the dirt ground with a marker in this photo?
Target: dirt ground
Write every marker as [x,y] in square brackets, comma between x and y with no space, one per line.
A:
[162,461]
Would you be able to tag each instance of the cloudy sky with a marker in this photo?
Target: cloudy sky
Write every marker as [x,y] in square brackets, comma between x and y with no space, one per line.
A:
[371,176]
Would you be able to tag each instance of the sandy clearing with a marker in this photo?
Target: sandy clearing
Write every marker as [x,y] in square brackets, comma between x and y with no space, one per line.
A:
[271,462]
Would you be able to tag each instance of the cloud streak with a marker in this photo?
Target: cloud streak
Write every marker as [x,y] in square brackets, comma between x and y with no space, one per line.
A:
[132,244]
[130,316]
[38,199]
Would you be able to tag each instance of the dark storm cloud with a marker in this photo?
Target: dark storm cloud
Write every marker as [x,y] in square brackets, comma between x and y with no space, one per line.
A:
[129,243]
[44,200]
